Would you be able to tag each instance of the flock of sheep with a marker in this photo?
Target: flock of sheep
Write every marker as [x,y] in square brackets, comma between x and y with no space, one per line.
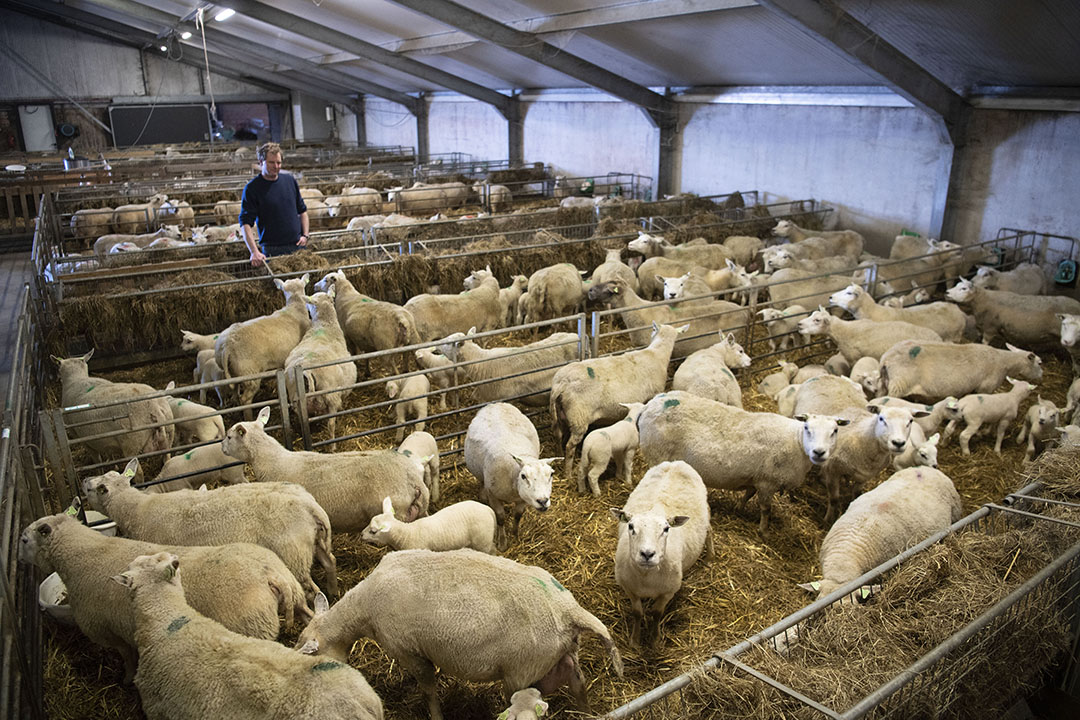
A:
[445,598]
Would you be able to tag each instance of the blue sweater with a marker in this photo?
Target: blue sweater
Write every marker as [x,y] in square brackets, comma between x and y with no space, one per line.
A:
[274,208]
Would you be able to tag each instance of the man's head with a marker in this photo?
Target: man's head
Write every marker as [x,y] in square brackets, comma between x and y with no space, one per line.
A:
[269,156]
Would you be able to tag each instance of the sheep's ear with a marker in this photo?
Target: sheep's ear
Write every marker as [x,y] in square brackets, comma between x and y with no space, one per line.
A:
[842,422]
[919,414]
[388,505]
[548,461]
[873,409]
[132,468]
[540,708]
[321,604]
[171,385]
[278,284]
[87,356]
[203,488]
[683,328]
[933,439]
[619,515]
[518,460]
[472,330]
[801,417]
[679,520]
[731,339]
[311,647]
[306,278]
[122,579]
[264,416]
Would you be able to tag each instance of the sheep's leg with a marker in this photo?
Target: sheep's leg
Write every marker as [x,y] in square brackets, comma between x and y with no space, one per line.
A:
[433,487]
[832,484]
[576,436]
[584,469]
[519,510]
[949,430]
[328,563]
[966,435]
[636,621]
[1030,447]
[628,467]
[501,540]
[1023,432]
[765,505]
[1002,428]
[424,672]
[710,544]
[399,418]
[247,393]
[131,660]
[749,493]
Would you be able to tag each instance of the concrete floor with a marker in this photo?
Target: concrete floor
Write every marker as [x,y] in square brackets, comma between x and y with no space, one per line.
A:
[15,272]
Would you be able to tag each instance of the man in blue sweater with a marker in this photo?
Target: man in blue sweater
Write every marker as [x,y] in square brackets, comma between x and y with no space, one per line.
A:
[272,201]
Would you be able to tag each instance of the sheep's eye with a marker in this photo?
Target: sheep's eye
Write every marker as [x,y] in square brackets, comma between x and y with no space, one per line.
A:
[102,490]
[630,527]
[667,528]
[523,476]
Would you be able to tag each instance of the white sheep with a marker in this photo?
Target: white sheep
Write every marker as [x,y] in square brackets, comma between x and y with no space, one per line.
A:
[522,621]
[650,273]
[421,447]
[1070,436]
[708,255]
[852,241]
[1070,337]
[437,316]
[140,216]
[790,286]
[663,527]
[910,506]
[980,409]
[614,267]
[618,441]
[1072,401]
[226,210]
[1024,279]
[733,449]
[783,325]
[1039,426]
[207,371]
[929,424]
[466,524]
[938,370]
[815,256]
[785,399]
[525,705]
[360,201]
[777,381]
[706,372]
[915,297]
[439,372]
[195,423]
[108,243]
[594,390]
[944,318]
[921,451]
[1025,319]
[259,585]
[411,395]
[555,291]
[281,517]
[687,285]
[866,371]
[744,248]
[837,364]
[498,197]
[809,371]
[240,677]
[203,464]
[502,450]
[91,223]
[863,338]
[508,299]
[349,486]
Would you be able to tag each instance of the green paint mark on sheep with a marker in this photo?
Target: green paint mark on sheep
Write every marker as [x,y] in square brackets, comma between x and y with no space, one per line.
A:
[365,299]
[728,373]
[178,623]
[327,665]
[590,371]
[670,403]
[558,585]
[981,398]
[407,453]
[187,456]
[180,402]
[90,388]
[929,408]
[541,583]
[914,352]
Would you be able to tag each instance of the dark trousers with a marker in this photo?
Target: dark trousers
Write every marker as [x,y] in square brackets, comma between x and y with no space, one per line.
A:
[272,250]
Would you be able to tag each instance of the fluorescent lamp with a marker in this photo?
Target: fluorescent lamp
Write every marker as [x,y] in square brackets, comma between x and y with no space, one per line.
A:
[186,35]
[164,48]
[224,14]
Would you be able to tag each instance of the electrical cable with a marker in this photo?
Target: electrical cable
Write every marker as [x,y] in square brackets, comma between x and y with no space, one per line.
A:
[200,23]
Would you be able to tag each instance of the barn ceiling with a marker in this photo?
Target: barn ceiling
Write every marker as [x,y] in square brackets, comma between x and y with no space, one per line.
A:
[633,49]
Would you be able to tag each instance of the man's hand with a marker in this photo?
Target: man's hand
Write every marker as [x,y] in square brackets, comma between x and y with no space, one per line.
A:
[257,258]
[302,242]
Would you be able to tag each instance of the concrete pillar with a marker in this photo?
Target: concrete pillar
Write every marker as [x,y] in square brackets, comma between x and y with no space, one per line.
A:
[423,144]
[515,132]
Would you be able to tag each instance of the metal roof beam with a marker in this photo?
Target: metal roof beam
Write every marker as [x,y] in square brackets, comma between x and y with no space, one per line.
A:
[331,78]
[828,23]
[324,34]
[659,108]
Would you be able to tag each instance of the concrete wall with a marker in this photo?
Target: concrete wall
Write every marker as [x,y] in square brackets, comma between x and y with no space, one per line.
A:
[387,123]
[466,126]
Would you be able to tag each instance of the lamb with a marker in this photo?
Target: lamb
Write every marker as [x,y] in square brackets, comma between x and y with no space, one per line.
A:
[508,299]
[207,371]
[519,619]
[1070,337]
[1072,401]
[774,382]
[195,342]
[525,705]
[594,390]
[910,506]
[173,212]
[709,255]
[544,357]
[613,267]
[851,241]
[365,222]
[920,451]
[323,342]
[354,201]
[246,678]
[132,419]
[203,464]
[663,527]
[369,325]
[466,524]
[106,243]
[782,326]
[915,297]
[945,319]
[1070,436]
[241,585]
[139,216]
[349,486]
[864,338]
[789,286]
[281,517]
[225,210]
[224,233]
[421,447]
[411,395]
[837,364]
[575,201]
[195,423]
[743,248]
[732,449]
[978,409]
[439,371]
[785,399]
[867,373]
[1039,427]
[555,291]
[311,193]
[498,197]
[1024,279]
[86,224]
[618,441]
[437,316]
[428,196]
[815,256]
[937,370]
[706,373]
[501,450]
[263,343]
[1026,319]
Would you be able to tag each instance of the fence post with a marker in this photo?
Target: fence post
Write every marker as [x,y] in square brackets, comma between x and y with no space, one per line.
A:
[582,347]
[301,405]
[594,349]
[59,454]
[283,408]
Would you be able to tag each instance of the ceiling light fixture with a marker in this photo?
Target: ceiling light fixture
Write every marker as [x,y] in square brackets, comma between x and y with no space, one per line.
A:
[186,35]
[224,14]
[164,48]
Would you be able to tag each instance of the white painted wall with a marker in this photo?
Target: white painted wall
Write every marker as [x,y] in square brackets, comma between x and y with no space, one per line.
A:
[467,126]
[387,123]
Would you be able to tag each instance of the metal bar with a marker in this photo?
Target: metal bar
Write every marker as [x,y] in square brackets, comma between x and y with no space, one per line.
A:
[283,408]
[301,405]
[781,687]
[1016,511]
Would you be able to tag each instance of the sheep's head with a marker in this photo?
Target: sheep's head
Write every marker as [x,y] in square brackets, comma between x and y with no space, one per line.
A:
[732,352]
[293,286]
[816,323]
[1047,414]
[329,280]
[961,292]
[534,481]
[870,382]
[926,453]
[1021,387]
[450,346]
[477,277]
[819,434]
[893,426]
[1033,366]
[847,297]
[673,286]
[99,488]
[377,531]
[74,367]
[777,259]
[607,292]
[34,540]
[647,535]
[238,440]
[321,305]
[313,641]
[149,569]
[1070,329]
[524,705]
[985,277]
[1070,435]
[647,245]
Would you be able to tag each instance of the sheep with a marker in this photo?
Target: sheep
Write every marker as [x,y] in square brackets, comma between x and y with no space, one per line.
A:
[225,210]
[206,371]
[837,364]
[191,341]
[135,415]
[244,677]
[808,371]
[207,234]
[87,224]
[369,325]
[317,210]
[851,241]
[1070,337]
[310,193]
[1070,436]
[323,342]
[107,243]
[195,423]
[944,318]
[169,244]
[428,196]
[706,372]
[555,291]
[905,247]
[783,326]
[498,197]
[575,201]
[978,409]
[790,286]
[241,585]
[663,528]
[354,201]
[613,267]
[1072,401]
[915,297]
[467,524]
[910,506]
[733,449]
[508,299]
[544,357]
[502,450]
[618,441]
[524,309]
[650,273]
[173,212]
[785,399]
[203,464]
[281,517]
[349,486]
[864,338]
[139,216]
[709,255]
[1025,319]
[774,382]
[1039,426]
[743,248]
[594,390]
[866,371]
[920,451]
[365,222]
[411,395]
[439,371]
[1024,279]
[437,316]
[263,343]
[865,447]
[814,256]
[518,618]
[686,286]
[525,705]
[421,447]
